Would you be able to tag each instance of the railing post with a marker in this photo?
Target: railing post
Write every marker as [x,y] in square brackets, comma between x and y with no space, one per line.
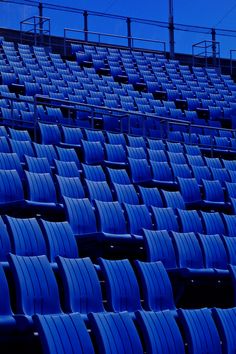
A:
[129,34]
[41,22]
[64,42]
[171,29]
[231,63]
[213,37]
[85,14]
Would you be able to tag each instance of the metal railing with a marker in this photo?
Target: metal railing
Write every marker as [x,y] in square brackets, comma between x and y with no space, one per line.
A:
[209,51]
[93,110]
[129,23]
[130,40]
[38,28]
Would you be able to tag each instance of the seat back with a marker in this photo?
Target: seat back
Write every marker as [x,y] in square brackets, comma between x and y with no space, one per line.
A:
[121,285]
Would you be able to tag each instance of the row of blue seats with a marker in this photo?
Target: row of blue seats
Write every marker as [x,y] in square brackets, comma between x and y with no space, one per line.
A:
[203,330]
[41,188]
[188,252]
[42,55]
[78,276]
[51,134]
[33,275]
[20,109]
[32,237]
[85,279]
[108,221]
[59,80]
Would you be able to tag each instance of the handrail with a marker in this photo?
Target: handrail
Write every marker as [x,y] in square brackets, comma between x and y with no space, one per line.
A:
[38,99]
[102,34]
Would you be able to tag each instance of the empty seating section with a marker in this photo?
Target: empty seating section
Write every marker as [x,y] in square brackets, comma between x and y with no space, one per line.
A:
[117,229]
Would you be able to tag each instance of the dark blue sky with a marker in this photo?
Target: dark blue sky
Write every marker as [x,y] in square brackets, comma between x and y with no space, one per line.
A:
[210,13]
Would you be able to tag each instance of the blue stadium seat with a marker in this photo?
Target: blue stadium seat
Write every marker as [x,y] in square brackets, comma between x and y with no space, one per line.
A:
[41,191]
[37,164]
[115,333]
[68,155]
[136,152]
[229,164]
[232,175]
[94,173]
[165,219]
[126,193]
[220,174]
[138,218]
[189,254]
[116,139]
[156,144]
[213,195]
[118,176]
[115,155]
[122,288]
[213,223]
[214,252]
[175,147]
[66,168]
[21,148]
[162,174]
[158,246]
[140,171]
[173,199]
[64,333]
[136,142]
[36,287]
[213,162]
[93,152]
[11,191]
[8,321]
[5,243]
[200,173]
[3,131]
[70,187]
[190,192]
[111,221]
[22,135]
[81,216]
[195,160]
[47,151]
[71,136]
[158,295]
[230,188]
[99,190]
[4,144]
[59,239]
[161,332]
[150,196]
[157,155]
[230,247]
[192,150]
[94,135]
[11,161]
[26,236]
[225,321]
[201,332]
[180,170]
[190,221]
[230,223]
[50,134]
[81,285]
[177,157]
